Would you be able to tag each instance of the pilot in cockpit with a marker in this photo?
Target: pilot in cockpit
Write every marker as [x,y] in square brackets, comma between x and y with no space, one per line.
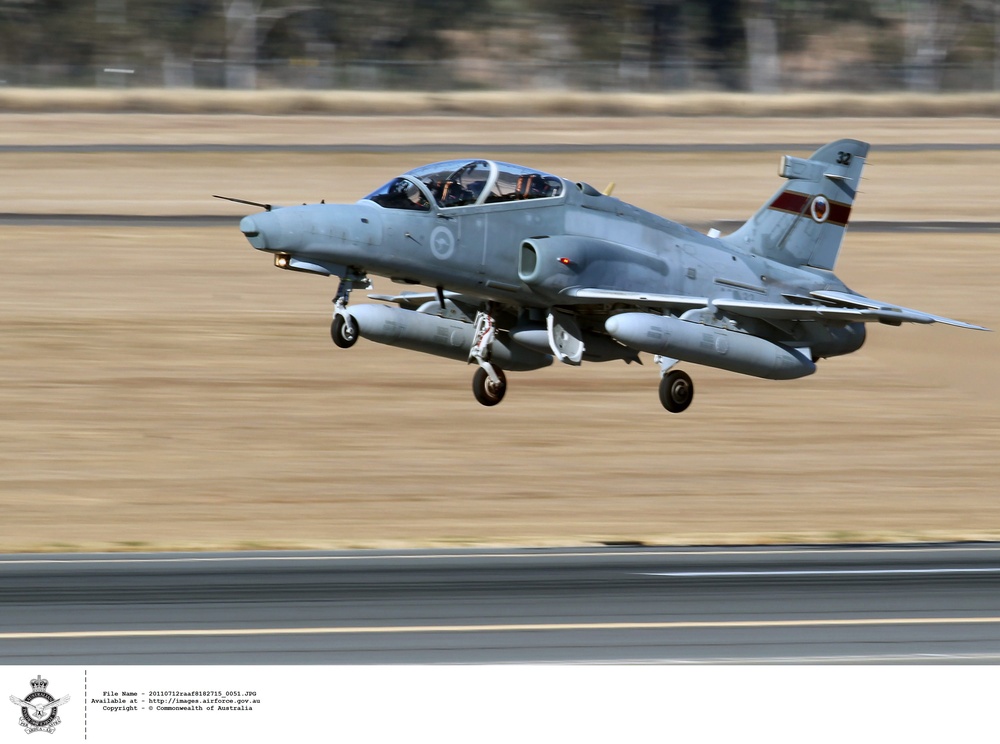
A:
[533,186]
[539,188]
[435,187]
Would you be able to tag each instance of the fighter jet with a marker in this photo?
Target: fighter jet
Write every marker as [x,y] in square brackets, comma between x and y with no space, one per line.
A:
[525,268]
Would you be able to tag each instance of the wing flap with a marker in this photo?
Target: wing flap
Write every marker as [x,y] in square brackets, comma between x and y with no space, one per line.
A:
[790,311]
[409,298]
[412,300]
[686,302]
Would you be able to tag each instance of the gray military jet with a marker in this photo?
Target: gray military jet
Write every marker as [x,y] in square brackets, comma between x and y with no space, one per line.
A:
[527,267]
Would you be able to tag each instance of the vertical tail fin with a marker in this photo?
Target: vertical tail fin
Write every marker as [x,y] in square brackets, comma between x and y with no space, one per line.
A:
[804,222]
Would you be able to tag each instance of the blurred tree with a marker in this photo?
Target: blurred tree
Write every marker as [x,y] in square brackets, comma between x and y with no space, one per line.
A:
[978,36]
[175,33]
[930,27]
[667,43]
[631,44]
[932,35]
[58,35]
[760,21]
[653,41]
[724,41]
[246,22]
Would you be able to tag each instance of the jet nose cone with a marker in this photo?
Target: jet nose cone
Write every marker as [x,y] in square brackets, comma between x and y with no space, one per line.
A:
[252,232]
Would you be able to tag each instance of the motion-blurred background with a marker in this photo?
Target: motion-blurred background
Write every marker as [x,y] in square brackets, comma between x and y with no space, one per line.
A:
[598,45]
[162,385]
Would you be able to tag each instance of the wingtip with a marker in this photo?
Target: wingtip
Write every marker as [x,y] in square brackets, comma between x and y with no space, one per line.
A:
[961,324]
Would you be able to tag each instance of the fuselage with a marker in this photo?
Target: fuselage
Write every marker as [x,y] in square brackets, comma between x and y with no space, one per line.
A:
[480,249]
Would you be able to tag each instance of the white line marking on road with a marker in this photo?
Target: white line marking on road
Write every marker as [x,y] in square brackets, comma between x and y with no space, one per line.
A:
[510,628]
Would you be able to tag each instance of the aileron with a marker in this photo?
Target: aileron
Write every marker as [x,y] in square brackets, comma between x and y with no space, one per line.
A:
[894,314]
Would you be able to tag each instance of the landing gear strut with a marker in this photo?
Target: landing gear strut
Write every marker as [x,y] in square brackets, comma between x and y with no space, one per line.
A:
[344,328]
[489,383]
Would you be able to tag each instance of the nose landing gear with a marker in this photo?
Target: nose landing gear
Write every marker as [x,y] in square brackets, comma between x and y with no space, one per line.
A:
[344,328]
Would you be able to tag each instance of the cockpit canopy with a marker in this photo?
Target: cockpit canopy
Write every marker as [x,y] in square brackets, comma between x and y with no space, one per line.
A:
[463,183]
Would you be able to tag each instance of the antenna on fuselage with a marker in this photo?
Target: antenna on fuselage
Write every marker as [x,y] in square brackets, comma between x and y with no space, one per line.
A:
[266,207]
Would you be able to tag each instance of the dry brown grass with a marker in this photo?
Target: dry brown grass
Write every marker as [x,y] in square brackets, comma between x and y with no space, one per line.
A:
[454,132]
[494,103]
[689,187]
[168,388]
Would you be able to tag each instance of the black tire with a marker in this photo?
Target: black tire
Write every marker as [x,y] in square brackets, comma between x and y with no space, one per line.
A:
[344,331]
[485,391]
[676,391]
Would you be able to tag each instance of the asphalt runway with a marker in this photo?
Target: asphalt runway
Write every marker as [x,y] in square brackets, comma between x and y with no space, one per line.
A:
[616,604]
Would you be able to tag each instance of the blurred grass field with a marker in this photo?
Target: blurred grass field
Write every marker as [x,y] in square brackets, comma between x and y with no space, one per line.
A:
[168,388]
[547,103]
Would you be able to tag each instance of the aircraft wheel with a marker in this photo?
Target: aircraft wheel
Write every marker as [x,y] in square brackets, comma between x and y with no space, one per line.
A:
[344,331]
[676,391]
[486,392]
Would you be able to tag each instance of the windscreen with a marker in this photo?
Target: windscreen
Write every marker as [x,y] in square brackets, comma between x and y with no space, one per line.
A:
[400,193]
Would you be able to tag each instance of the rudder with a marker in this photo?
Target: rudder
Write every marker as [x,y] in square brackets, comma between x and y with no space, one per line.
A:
[803,224]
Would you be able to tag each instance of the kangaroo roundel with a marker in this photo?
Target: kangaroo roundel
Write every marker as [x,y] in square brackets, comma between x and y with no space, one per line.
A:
[820,208]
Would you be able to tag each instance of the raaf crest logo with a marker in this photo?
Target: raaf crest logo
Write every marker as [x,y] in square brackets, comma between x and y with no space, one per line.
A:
[39,710]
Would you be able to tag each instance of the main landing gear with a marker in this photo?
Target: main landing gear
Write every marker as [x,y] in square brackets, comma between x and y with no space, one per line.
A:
[488,392]
[676,386]
[445,336]
[489,384]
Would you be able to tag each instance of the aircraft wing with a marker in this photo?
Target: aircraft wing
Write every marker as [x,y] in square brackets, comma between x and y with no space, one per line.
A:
[789,311]
[413,300]
[890,312]
[685,302]
[848,308]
